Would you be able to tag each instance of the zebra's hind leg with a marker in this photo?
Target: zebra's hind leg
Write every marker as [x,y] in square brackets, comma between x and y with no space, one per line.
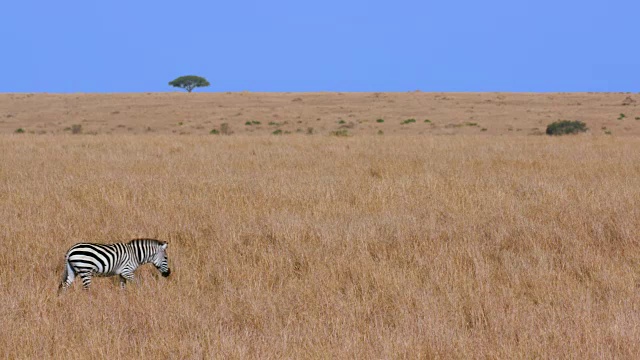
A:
[86,279]
[67,278]
[63,286]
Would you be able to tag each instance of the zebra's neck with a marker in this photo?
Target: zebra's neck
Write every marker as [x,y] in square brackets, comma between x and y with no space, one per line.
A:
[141,252]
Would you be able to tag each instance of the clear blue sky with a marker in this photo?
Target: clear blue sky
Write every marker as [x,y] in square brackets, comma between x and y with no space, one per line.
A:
[465,45]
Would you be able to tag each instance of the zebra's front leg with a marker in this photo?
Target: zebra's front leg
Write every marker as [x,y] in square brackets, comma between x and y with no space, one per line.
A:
[124,277]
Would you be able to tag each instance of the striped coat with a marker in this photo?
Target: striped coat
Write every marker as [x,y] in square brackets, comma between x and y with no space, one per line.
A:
[87,260]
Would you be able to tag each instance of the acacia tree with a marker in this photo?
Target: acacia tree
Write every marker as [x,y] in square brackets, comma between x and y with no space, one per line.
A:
[189,82]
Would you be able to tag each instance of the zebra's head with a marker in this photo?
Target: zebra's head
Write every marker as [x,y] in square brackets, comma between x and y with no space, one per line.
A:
[160,260]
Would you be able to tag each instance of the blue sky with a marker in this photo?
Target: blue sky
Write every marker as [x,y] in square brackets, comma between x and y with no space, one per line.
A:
[491,45]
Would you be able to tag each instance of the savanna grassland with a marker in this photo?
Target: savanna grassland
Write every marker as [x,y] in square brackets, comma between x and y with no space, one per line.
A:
[248,113]
[403,245]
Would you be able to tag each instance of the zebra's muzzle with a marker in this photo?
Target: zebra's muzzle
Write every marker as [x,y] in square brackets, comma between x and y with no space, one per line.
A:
[165,274]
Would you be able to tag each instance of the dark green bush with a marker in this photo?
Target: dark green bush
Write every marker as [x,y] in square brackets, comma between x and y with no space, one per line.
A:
[564,127]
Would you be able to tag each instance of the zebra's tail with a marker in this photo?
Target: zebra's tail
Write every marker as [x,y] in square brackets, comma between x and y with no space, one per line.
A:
[67,276]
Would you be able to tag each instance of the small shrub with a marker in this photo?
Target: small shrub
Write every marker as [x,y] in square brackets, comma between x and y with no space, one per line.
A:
[225,129]
[277,132]
[427,121]
[622,116]
[214,132]
[380,120]
[19,131]
[309,131]
[340,133]
[273,123]
[76,129]
[408,121]
[564,127]
[380,132]
[471,124]
[341,122]
[180,123]
[483,129]
[607,132]
[248,123]
[254,122]
[350,125]
[637,117]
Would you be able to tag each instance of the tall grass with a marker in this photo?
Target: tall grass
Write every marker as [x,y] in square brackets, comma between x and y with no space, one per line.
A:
[325,247]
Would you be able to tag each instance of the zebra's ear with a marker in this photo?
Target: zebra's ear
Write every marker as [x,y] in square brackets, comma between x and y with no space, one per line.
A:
[164,246]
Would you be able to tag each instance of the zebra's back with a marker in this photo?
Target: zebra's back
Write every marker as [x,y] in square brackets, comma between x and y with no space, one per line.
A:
[100,259]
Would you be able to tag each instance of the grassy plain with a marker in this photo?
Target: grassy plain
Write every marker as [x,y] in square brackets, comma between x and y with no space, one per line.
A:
[326,247]
[249,113]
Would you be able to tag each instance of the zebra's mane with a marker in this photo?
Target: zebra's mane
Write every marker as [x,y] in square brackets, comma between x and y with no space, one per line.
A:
[152,241]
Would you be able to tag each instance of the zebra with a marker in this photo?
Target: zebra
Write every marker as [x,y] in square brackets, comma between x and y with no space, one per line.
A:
[87,260]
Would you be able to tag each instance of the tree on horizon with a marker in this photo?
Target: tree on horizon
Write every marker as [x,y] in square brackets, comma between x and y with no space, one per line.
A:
[189,82]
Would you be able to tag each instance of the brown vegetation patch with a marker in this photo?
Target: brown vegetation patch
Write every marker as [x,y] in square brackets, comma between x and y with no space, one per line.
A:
[318,246]
[162,111]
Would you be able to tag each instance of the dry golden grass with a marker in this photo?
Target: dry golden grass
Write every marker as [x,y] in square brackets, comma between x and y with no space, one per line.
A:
[199,113]
[325,247]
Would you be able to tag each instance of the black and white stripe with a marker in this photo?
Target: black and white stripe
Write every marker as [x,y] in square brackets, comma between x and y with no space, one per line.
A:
[88,260]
